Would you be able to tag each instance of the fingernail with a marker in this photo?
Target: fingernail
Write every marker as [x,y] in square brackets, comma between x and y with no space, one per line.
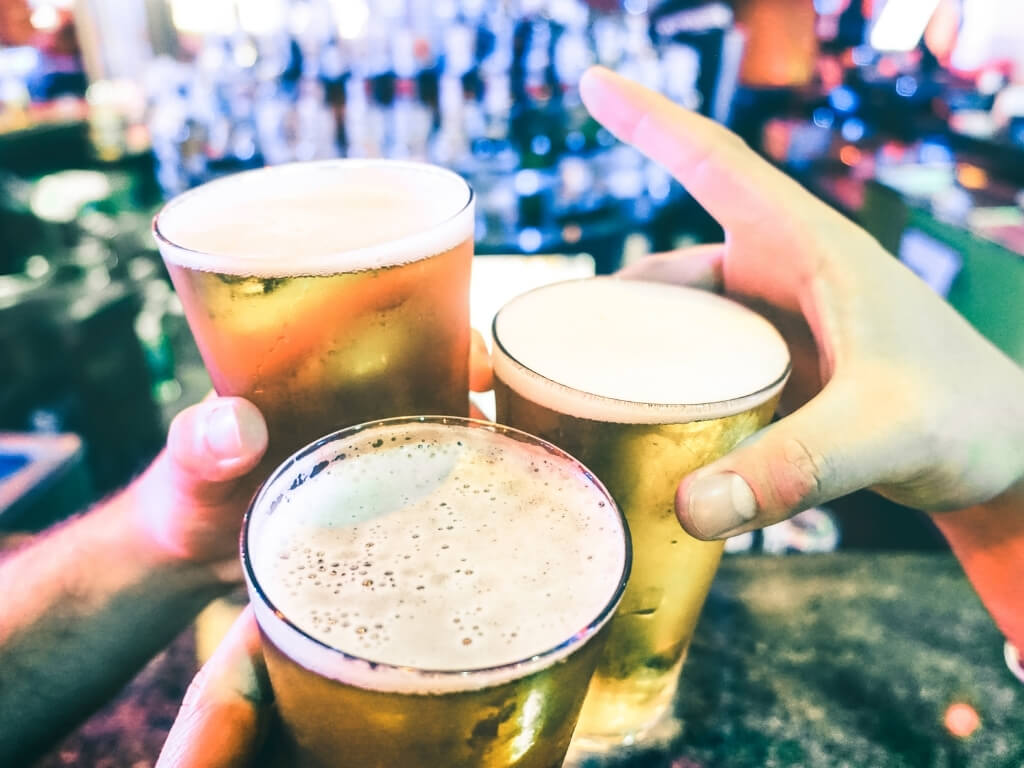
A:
[719,503]
[230,432]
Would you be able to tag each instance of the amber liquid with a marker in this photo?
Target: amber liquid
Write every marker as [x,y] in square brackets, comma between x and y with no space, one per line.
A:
[526,723]
[323,352]
[641,465]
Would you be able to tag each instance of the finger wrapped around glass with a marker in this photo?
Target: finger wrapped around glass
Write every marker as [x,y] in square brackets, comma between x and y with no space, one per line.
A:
[327,293]
[644,383]
[432,591]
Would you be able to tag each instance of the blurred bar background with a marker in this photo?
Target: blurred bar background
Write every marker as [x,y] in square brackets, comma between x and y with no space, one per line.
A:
[907,115]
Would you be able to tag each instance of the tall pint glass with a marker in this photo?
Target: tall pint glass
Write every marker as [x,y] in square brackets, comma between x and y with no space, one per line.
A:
[328,293]
[432,592]
[644,383]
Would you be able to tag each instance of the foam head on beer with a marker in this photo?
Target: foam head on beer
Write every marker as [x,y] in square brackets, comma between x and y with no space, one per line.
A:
[317,218]
[434,546]
[637,352]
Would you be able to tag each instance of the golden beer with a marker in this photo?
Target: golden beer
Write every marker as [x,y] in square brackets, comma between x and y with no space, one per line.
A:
[432,592]
[327,293]
[644,383]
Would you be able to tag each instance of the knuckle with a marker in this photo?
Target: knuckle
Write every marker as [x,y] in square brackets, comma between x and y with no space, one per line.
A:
[733,142]
[639,129]
[701,162]
[799,475]
[195,693]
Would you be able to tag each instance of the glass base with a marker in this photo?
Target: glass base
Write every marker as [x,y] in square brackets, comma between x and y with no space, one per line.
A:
[623,712]
[659,736]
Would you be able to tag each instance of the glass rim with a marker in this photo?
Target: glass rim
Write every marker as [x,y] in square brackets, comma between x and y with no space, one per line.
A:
[554,653]
[297,166]
[689,411]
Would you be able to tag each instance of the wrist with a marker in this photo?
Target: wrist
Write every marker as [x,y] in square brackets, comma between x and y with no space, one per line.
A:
[137,539]
[988,539]
[993,523]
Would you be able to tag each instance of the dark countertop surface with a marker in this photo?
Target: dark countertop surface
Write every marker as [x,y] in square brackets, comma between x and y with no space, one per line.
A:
[832,660]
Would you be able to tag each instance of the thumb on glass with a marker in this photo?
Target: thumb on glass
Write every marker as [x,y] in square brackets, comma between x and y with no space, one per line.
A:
[824,450]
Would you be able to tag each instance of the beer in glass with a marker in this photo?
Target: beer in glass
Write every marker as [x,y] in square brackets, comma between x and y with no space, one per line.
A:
[432,592]
[327,293]
[643,383]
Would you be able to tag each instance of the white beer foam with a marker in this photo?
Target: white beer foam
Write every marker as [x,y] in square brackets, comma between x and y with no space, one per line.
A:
[636,352]
[317,218]
[434,547]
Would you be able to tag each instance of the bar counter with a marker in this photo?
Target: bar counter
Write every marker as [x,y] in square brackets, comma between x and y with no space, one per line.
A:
[849,659]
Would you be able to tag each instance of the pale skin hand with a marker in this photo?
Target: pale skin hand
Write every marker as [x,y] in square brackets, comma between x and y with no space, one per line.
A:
[891,389]
[87,603]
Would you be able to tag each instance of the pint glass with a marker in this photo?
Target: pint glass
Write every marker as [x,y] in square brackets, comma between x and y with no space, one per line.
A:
[432,592]
[644,383]
[327,293]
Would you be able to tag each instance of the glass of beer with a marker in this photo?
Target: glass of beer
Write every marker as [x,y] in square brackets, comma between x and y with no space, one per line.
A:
[643,383]
[432,591]
[327,293]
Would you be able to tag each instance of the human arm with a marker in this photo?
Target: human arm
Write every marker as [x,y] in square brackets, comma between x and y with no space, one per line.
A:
[87,603]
